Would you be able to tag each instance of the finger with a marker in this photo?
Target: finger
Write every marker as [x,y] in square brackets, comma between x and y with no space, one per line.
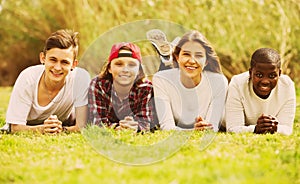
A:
[50,130]
[128,126]
[59,123]
[52,117]
[113,126]
[203,124]
[199,118]
[128,118]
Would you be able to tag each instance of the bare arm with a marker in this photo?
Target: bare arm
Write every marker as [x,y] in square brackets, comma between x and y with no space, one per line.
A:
[81,119]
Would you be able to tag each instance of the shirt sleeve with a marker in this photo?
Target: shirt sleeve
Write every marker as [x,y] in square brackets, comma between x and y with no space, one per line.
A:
[82,81]
[163,105]
[216,107]
[286,114]
[144,110]
[21,100]
[234,111]
[97,105]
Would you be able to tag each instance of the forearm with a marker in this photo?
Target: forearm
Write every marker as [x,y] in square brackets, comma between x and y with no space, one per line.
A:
[240,128]
[284,129]
[19,128]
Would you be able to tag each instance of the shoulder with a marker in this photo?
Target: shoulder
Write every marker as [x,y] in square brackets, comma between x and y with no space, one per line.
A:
[285,80]
[31,74]
[240,79]
[101,84]
[145,85]
[81,73]
[170,75]
[167,73]
[33,70]
[217,81]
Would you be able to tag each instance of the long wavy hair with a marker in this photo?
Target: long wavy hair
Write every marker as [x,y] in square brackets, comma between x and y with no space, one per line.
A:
[213,62]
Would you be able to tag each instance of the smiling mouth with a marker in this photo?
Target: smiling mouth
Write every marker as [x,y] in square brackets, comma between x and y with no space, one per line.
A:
[124,76]
[264,88]
[56,74]
[191,67]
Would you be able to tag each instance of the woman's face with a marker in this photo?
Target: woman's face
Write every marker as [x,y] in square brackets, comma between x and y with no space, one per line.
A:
[264,78]
[124,70]
[191,60]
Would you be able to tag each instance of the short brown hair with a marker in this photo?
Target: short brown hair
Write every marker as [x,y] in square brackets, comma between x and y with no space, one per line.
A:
[63,39]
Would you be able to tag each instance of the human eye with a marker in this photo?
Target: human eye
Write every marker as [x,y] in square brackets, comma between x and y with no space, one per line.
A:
[132,64]
[118,63]
[65,62]
[259,75]
[52,59]
[272,75]
[198,56]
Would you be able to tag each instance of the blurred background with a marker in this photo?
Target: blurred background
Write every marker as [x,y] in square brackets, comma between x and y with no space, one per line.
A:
[236,28]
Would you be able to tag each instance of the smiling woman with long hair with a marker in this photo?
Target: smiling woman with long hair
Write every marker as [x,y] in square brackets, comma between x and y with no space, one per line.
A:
[191,96]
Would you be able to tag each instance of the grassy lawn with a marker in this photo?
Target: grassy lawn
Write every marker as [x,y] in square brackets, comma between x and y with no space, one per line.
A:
[70,158]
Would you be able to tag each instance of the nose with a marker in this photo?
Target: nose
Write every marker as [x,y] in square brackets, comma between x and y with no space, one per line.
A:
[192,59]
[57,66]
[265,81]
[125,68]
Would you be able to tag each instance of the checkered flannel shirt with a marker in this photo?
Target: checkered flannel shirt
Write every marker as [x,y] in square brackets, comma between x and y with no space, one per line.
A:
[105,107]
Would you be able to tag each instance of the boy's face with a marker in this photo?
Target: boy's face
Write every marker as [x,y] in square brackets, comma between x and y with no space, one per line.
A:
[264,77]
[58,63]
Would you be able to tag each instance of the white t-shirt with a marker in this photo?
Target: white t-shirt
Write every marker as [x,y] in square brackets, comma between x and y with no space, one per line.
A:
[177,106]
[243,106]
[23,105]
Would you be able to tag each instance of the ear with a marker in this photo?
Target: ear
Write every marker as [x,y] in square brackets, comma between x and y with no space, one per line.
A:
[75,63]
[279,71]
[250,72]
[42,57]
[176,57]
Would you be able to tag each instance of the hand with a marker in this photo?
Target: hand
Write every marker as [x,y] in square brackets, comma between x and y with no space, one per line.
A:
[128,123]
[266,124]
[52,125]
[201,124]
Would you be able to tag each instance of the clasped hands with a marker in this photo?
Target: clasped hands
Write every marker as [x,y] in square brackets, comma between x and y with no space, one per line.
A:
[266,124]
[52,125]
[201,124]
[127,123]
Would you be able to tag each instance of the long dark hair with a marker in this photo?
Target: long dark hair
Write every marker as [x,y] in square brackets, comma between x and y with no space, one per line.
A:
[213,62]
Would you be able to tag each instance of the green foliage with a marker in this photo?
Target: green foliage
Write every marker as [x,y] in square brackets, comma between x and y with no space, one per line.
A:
[70,158]
[235,27]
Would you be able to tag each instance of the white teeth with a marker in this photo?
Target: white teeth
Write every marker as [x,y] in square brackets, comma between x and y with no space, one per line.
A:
[264,88]
[190,67]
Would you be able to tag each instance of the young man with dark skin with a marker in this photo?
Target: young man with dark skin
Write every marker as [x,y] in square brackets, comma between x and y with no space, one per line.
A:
[262,100]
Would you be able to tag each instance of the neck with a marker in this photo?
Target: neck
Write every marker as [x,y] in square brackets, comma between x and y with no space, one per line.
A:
[52,85]
[122,91]
[190,82]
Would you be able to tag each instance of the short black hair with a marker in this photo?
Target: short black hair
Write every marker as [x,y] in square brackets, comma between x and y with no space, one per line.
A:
[265,55]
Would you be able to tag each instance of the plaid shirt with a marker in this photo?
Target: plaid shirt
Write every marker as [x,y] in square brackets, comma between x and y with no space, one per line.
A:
[106,107]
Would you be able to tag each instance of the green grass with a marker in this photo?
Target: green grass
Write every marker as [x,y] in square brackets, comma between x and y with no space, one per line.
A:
[236,28]
[70,158]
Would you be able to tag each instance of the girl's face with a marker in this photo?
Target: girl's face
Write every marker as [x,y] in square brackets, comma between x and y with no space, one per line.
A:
[264,78]
[124,70]
[191,60]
